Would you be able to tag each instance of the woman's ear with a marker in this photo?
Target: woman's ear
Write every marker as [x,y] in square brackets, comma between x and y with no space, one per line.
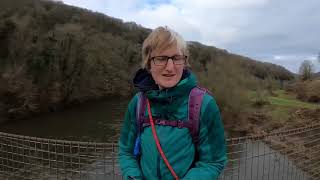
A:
[147,68]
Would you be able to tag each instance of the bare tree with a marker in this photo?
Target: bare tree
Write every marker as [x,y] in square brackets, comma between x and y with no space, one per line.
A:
[306,70]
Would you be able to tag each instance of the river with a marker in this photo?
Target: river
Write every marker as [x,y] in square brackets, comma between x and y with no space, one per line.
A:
[98,121]
[94,121]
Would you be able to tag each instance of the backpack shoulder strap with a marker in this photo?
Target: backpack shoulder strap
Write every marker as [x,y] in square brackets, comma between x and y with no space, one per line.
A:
[140,112]
[194,107]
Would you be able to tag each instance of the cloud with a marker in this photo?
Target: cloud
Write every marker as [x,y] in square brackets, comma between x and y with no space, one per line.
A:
[217,4]
[291,62]
[267,30]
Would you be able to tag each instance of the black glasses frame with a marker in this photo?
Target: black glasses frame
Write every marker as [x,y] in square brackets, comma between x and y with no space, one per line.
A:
[173,58]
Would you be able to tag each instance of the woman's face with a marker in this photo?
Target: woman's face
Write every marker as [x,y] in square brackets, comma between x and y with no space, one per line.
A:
[169,74]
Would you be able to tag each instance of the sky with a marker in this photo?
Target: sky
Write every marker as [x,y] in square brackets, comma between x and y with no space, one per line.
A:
[283,32]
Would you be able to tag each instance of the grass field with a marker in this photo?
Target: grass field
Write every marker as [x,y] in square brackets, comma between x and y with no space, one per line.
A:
[282,105]
[287,100]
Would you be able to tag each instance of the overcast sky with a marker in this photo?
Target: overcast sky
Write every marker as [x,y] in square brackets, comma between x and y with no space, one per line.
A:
[283,32]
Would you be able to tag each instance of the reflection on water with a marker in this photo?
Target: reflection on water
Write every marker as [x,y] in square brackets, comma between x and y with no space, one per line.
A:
[95,121]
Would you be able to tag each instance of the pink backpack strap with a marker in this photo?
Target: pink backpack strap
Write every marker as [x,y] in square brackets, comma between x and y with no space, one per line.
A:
[195,100]
[162,122]
[140,111]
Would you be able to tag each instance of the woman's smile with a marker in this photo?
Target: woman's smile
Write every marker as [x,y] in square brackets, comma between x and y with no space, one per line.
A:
[168,75]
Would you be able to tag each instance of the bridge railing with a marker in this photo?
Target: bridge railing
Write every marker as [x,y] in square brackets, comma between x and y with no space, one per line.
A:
[26,157]
[288,154]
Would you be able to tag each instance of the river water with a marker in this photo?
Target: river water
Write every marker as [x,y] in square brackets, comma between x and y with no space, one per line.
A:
[94,121]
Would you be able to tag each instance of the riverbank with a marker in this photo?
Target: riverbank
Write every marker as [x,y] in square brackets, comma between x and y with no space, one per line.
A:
[281,111]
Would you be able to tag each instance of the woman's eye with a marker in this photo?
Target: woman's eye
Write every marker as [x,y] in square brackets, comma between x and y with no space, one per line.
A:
[161,58]
[178,57]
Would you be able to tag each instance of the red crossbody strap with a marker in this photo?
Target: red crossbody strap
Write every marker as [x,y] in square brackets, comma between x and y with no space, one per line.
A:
[158,143]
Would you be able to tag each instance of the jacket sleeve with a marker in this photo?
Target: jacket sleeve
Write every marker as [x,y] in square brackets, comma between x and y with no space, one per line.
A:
[211,148]
[129,164]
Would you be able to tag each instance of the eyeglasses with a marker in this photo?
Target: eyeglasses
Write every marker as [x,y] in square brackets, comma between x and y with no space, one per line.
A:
[163,60]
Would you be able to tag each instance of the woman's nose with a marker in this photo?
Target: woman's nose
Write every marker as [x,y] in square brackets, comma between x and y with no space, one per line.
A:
[169,64]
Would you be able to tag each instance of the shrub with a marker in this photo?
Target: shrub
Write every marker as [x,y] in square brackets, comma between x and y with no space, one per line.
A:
[308,90]
[228,83]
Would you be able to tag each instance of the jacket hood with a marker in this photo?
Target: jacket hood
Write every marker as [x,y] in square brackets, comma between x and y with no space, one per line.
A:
[143,81]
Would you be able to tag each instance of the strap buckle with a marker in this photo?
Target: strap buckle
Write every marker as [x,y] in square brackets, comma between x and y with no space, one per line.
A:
[162,123]
[180,124]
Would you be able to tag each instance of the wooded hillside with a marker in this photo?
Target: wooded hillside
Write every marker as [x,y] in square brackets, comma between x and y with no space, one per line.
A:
[53,55]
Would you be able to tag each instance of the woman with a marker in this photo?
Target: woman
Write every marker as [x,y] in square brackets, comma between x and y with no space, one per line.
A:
[163,141]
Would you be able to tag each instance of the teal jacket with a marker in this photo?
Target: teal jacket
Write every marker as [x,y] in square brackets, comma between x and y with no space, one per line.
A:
[172,104]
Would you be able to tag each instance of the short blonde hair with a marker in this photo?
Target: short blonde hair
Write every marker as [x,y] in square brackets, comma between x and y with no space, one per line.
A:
[160,39]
